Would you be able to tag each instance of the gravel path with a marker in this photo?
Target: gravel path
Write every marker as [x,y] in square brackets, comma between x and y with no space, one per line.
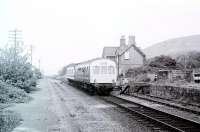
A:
[61,108]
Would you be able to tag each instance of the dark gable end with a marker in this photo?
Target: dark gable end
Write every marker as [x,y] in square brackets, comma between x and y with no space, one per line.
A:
[136,48]
[109,51]
[114,51]
[139,51]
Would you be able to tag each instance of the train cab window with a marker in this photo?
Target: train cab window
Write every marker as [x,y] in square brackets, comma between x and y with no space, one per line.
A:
[111,70]
[104,70]
[96,69]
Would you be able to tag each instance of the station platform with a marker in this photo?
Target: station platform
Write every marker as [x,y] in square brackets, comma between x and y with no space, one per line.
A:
[161,107]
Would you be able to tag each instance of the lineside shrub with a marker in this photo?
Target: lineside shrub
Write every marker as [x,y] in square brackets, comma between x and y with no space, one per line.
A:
[11,94]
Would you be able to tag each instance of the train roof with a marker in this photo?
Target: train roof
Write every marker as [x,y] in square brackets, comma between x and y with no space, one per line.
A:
[88,61]
[91,60]
[72,64]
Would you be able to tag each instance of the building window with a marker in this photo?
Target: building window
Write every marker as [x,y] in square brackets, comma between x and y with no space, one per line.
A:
[126,55]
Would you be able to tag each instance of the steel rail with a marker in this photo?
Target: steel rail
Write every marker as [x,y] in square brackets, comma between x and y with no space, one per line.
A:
[166,120]
[167,104]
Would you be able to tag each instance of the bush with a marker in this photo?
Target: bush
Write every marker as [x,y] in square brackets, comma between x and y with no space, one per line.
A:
[162,62]
[16,70]
[11,94]
[189,60]
[142,78]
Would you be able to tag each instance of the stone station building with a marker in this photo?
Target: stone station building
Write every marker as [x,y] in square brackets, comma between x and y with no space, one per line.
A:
[126,56]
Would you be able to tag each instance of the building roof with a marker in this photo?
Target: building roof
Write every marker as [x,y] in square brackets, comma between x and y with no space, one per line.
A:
[121,52]
[118,51]
[109,51]
[69,65]
[139,50]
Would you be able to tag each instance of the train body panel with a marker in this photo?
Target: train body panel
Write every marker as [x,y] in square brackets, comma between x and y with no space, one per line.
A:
[82,72]
[70,72]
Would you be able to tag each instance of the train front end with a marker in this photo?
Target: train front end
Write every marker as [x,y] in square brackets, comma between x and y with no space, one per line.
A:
[103,75]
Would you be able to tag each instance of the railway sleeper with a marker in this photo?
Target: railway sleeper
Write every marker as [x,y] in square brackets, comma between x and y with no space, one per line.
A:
[157,128]
[162,118]
[191,130]
[185,126]
[151,125]
[159,122]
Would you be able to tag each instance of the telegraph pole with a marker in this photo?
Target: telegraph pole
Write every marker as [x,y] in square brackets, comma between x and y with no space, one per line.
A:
[31,55]
[15,37]
[39,64]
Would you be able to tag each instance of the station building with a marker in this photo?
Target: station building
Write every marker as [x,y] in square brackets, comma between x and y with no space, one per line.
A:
[127,55]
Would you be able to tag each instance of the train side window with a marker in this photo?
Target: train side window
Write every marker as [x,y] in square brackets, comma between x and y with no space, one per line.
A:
[96,69]
[84,69]
[87,69]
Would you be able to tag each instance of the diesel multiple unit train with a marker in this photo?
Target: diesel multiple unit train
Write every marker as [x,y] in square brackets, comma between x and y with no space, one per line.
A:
[96,75]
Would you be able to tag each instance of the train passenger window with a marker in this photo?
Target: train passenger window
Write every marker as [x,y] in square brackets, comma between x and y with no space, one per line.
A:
[111,70]
[104,70]
[96,69]
[84,69]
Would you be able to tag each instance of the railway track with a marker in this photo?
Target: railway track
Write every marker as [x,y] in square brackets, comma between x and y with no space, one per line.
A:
[162,120]
[183,108]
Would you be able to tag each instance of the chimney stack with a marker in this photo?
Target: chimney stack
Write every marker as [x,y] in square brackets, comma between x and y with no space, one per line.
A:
[122,41]
[131,40]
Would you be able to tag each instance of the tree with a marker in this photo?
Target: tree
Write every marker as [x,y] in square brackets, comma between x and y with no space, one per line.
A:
[189,60]
[15,68]
[162,62]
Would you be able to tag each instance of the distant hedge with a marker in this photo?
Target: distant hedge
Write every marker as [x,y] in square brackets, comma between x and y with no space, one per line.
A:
[11,94]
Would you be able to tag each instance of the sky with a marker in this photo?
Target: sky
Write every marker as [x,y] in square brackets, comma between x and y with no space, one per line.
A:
[71,31]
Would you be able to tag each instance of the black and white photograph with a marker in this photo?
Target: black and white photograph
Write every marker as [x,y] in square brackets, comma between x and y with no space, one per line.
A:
[99,65]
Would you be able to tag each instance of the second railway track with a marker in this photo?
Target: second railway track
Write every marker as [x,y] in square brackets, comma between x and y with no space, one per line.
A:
[183,108]
[163,120]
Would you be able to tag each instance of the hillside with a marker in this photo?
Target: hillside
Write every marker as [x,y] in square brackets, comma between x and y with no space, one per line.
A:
[174,46]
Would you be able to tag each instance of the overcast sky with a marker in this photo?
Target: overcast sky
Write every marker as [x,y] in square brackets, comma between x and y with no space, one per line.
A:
[66,31]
